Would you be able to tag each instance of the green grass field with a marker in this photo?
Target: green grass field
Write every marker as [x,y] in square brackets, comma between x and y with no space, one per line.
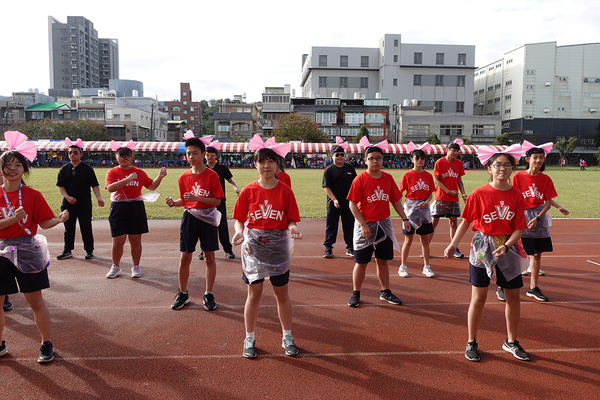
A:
[577,190]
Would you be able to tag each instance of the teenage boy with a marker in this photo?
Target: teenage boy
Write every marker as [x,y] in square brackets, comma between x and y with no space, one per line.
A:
[447,175]
[224,173]
[370,195]
[200,193]
[75,179]
[337,179]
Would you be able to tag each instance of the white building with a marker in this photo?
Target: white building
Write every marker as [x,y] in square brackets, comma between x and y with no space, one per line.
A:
[276,104]
[543,89]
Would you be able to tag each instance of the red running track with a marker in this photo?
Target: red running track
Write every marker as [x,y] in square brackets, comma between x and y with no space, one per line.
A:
[120,339]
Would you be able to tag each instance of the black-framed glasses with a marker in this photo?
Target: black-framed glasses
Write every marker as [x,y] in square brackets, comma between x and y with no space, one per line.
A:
[339,154]
[502,166]
[375,159]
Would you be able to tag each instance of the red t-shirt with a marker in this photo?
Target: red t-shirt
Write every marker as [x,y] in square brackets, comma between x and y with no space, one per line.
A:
[448,173]
[495,212]
[417,185]
[285,178]
[374,195]
[134,188]
[536,189]
[204,184]
[35,207]
[268,209]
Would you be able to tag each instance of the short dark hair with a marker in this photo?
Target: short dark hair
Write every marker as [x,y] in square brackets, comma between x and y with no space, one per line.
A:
[261,155]
[373,149]
[337,149]
[76,147]
[124,152]
[536,150]
[454,146]
[211,149]
[418,153]
[195,142]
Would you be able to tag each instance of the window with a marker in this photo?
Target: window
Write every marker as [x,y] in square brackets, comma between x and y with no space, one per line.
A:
[497,100]
[529,87]
[490,88]
[322,61]
[395,58]
[343,82]
[239,110]
[497,86]
[567,94]
[322,81]
[326,118]
[364,61]
[354,118]
[490,101]
[451,130]
[508,83]
[460,106]
[460,82]
[418,130]
[439,80]
[561,108]
[183,94]
[439,106]
[364,83]
[507,111]
[507,97]
[462,59]
[416,80]
[484,130]
[562,78]
[481,91]
[175,108]
[439,58]
[127,117]
[418,58]
[395,82]
[374,118]
[395,42]
[530,72]
[343,61]
[185,103]
[528,101]
[185,111]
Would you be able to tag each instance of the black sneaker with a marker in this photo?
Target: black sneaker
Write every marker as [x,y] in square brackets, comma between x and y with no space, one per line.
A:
[387,295]
[516,349]
[500,294]
[537,294]
[249,348]
[350,252]
[230,255]
[181,300]
[7,305]
[328,252]
[354,299]
[472,353]
[64,255]
[201,256]
[290,347]
[46,352]
[89,256]
[209,302]
[3,349]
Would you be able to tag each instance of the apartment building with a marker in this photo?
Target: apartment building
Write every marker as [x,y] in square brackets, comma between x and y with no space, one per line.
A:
[276,103]
[543,90]
[236,119]
[185,110]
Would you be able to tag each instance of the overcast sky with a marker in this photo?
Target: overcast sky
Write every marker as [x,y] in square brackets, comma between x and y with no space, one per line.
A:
[224,48]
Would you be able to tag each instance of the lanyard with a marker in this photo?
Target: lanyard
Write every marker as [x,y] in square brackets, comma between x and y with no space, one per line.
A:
[27,231]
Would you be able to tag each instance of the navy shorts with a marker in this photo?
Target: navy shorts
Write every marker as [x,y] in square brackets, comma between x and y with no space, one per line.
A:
[383,251]
[479,278]
[127,218]
[424,229]
[277,280]
[192,230]
[10,276]
[536,245]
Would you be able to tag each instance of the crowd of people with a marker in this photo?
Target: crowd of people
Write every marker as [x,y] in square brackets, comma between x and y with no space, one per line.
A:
[510,220]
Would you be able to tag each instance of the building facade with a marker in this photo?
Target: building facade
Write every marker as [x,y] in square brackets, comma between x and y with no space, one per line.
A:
[236,120]
[186,110]
[544,91]
[275,104]
[78,58]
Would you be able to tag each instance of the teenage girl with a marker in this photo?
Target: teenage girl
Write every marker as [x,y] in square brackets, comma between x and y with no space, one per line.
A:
[497,213]
[538,190]
[127,212]
[419,187]
[266,214]
[23,210]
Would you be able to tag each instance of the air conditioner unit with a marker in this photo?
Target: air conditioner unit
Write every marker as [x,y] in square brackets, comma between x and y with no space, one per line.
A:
[546,110]
[480,103]
[593,110]
[547,83]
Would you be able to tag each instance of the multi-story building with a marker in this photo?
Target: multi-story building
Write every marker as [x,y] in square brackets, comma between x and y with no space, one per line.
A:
[434,75]
[275,104]
[10,112]
[186,110]
[542,89]
[236,119]
[78,58]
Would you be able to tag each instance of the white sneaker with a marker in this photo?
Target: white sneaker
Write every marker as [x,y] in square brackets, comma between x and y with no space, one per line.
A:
[428,272]
[402,271]
[135,271]
[114,271]
[528,272]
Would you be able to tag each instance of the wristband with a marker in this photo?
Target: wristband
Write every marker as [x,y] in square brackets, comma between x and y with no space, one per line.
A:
[537,218]
[506,247]
[405,219]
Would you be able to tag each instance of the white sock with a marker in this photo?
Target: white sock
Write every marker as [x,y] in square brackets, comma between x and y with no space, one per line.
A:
[287,332]
[250,335]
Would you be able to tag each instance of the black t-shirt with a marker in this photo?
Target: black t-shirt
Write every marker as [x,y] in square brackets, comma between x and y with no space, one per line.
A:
[339,180]
[224,174]
[77,181]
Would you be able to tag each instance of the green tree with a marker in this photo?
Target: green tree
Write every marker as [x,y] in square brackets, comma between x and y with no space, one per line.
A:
[502,139]
[433,139]
[597,134]
[566,146]
[298,127]
[363,131]
[58,130]
[598,155]
[467,141]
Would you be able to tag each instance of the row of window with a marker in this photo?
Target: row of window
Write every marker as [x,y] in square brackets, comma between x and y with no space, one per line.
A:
[439,80]
[276,99]
[418,60]
[364,61]
[350,118]
[343,82]
[350,131]
[451,130]
[439,58]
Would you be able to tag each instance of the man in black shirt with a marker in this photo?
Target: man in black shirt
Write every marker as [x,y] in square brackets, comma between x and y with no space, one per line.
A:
[74,181]
[337,180]
[224,175]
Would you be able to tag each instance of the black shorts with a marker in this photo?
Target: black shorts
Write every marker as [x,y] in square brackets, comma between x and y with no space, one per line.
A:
[127,217]
[536,245]
[192,230]
[479,278]
[10,276]
[424,229]
[383,251]
[277,280]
